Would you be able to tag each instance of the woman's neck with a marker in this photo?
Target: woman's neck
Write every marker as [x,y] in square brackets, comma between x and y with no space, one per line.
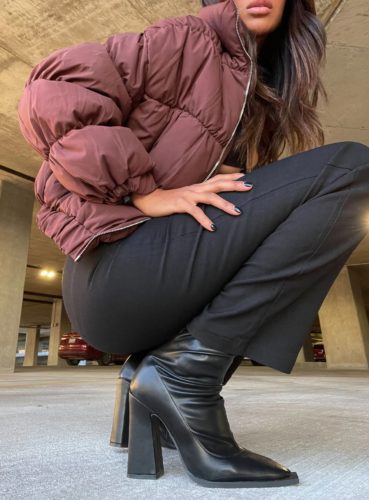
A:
[260,39]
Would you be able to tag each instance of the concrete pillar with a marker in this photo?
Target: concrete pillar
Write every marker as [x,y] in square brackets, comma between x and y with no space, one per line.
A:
[344,323]
[300,357]
[308,349]
[59,324]
[31,349]
[16,206]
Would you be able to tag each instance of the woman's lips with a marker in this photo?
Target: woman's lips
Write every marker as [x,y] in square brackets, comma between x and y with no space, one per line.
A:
[259,7]
[259,10]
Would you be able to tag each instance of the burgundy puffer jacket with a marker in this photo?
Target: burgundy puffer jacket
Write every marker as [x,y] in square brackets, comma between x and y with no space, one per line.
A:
[137,112]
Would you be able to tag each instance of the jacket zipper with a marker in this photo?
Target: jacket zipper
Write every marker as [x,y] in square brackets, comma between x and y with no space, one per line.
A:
[212,170]
[106,232]
[244,102]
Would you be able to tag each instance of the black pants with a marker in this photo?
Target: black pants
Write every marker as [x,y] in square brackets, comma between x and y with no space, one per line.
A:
[251,288]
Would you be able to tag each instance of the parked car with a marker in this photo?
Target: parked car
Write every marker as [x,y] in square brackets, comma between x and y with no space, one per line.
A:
[319,352]
[73,349]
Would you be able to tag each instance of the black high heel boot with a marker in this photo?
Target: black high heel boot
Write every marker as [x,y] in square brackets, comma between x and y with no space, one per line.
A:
[120,428]
[178,385]
[233,367]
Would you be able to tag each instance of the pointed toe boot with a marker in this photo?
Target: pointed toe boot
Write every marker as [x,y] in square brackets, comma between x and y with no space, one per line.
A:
[120,427]
[177,386]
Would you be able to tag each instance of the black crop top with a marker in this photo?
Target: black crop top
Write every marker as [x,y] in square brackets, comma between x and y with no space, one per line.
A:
[233,158]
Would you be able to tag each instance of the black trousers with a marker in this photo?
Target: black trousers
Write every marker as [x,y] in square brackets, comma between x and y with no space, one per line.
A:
[251,288]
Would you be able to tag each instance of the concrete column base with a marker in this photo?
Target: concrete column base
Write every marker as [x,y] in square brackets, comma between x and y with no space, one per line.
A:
[31,349]
[301,356]
[344,323]
[59,324]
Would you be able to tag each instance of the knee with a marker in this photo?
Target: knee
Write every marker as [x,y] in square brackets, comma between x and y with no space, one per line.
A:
[353,145]
[356,146]
[352,154]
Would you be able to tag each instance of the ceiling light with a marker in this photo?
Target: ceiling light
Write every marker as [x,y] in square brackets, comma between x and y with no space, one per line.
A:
[47,274]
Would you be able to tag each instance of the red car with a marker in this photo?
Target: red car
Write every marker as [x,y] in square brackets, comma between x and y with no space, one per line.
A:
[318,352]
[73,349]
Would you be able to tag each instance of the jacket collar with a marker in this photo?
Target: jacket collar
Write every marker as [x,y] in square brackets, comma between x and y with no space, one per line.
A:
[223,18]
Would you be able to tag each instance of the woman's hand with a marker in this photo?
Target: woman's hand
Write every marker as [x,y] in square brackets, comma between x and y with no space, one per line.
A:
[163,202]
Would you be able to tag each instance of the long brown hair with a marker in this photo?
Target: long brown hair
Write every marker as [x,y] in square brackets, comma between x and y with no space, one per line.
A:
[285,85]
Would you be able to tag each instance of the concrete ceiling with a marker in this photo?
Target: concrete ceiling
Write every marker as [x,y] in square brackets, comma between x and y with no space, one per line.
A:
[30,30]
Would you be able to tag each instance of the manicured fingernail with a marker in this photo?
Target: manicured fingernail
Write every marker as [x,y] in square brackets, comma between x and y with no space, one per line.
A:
[238,210]
[248,184]
[213,227]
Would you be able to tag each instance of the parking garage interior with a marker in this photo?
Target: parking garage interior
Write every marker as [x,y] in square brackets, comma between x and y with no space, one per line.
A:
[335,353]
[30,278]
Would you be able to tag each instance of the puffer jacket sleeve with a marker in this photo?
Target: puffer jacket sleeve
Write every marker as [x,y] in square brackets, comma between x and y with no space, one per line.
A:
[72,112]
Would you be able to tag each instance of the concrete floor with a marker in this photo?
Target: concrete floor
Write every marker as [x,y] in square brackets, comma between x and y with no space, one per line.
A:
[55,429]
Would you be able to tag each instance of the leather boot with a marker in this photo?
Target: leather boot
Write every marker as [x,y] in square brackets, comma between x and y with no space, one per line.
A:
[178,385]
[120,427]
[233,367]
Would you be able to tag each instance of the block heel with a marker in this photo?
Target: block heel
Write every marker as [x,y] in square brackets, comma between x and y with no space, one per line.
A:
[120,427]
[145,460]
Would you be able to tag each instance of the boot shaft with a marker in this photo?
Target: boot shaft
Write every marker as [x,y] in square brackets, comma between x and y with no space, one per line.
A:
[185,375]
[187,357]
